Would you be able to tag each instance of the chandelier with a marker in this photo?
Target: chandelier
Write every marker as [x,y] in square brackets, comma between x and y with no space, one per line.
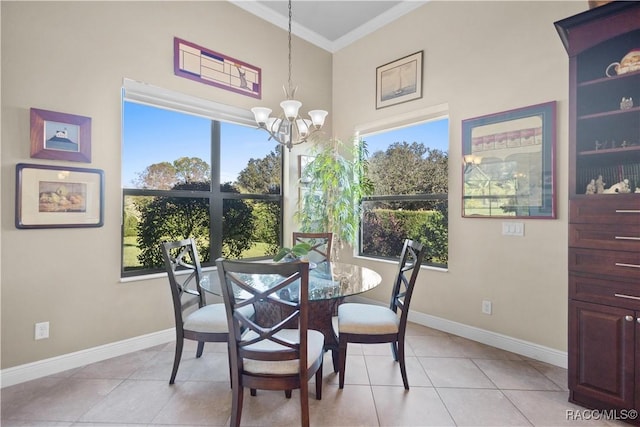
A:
[289,128]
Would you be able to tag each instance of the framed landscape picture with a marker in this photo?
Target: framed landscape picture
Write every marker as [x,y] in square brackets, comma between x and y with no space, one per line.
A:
[509,163]
[58,197]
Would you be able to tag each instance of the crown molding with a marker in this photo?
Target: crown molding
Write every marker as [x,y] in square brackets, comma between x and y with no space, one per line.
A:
[269,15]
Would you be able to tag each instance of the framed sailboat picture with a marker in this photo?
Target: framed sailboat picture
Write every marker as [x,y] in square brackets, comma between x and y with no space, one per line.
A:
[399,81]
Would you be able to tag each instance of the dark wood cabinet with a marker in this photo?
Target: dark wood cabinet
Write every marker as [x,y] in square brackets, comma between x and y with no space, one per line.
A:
[604,228]
[596,327]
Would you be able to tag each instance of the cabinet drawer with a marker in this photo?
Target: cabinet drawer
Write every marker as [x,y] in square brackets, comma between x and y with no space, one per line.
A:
[602,291]
[621,264]
[624,237]
[606,209]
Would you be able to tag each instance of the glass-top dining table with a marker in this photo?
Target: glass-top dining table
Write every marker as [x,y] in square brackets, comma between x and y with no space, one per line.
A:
[329,283]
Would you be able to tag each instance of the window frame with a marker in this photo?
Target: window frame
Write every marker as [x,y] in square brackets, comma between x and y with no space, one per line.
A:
[414,118]
[156,97]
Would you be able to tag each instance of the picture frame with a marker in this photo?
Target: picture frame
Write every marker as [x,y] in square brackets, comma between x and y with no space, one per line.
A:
[508,164]
[209,67]
[399,81]
[60,136]
[58,197]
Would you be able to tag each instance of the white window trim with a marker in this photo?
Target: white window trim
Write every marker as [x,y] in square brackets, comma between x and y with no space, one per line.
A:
[144,93]
[410,118]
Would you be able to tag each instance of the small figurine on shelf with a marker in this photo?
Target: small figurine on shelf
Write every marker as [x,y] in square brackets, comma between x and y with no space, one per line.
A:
[624,143]
[599,185]
[621,187]
[626,103]
[591,187]
[599,145]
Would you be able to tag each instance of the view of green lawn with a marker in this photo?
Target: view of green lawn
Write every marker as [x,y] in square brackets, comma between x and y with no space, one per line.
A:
[131,251]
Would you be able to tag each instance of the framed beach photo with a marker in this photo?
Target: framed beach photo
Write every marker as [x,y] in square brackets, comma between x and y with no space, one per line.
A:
[58,197]
[60,136]
[399,81]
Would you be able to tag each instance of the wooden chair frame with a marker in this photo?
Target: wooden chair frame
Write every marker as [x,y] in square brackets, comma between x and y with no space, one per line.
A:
[248,339]
[182,256]
[317,240]
[410,261]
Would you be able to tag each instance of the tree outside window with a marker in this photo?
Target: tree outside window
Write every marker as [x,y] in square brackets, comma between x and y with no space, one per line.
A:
[409,171]
[187,176]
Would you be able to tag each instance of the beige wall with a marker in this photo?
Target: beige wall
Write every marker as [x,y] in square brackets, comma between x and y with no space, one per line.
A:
[480,58]
[72,57]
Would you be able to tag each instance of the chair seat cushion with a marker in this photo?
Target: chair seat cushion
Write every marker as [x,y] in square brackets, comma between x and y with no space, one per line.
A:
[211,318]
[368,319]
[315,349]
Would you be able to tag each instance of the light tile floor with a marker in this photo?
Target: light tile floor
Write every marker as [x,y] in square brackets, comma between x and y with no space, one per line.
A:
[454,382]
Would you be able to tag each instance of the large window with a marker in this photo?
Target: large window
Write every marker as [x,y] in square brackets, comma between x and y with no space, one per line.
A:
[409,171]
[187,175]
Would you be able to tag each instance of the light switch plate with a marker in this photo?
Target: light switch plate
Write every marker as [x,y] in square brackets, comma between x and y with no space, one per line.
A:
[511,228]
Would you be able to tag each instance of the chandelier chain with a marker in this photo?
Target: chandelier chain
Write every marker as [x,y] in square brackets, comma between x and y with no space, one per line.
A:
[290,95]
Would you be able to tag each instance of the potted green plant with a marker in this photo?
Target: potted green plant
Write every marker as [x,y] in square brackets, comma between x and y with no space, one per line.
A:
[336,182]
[291,254]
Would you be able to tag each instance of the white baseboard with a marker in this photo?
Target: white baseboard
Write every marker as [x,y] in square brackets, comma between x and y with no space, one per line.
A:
[494,339]
[42,368]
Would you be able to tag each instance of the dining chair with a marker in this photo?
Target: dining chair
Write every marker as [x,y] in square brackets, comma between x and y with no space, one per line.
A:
[374,324]
[282,355]
[195,320]
[320,245]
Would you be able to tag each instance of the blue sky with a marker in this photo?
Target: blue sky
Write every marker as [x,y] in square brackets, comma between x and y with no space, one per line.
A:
[433,134]
[153,135]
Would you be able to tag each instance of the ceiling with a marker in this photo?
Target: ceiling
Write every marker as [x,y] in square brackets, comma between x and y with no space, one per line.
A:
[330,24]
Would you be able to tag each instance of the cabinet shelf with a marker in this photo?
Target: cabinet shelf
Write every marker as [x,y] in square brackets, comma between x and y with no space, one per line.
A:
[610,151]
[610,113]
[609,80]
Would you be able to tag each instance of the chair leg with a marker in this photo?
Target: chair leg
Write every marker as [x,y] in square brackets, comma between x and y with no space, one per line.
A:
[342,362]
[200,348]
[176,360]
[229,361]
[236,405]
[287,393]
[253,391]
[403,366]
[394,351]
[304,404]
[319,382]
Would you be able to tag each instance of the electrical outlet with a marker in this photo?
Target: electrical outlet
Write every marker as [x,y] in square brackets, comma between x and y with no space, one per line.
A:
[42,330]
[486,306]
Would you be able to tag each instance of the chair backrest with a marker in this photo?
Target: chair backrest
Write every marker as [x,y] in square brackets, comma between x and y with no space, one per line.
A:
[408,268]
[320,245]
[244,283]
[185,273]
